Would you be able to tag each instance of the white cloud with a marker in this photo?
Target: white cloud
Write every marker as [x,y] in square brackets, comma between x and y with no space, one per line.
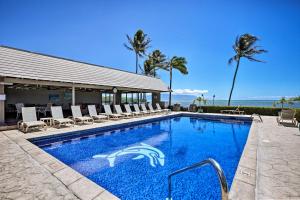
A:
[189,92]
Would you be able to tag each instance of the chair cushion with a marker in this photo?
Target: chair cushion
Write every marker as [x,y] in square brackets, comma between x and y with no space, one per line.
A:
[84,118]
[116,115]
[34,123]
[100,116]
[63,120]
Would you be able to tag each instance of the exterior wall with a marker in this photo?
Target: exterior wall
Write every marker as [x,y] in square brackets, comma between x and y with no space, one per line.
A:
[41,96]
[118,98]
[155,98]
[2,105]
[88,97]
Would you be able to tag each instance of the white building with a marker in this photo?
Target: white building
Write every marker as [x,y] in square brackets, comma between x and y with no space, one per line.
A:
[36,79]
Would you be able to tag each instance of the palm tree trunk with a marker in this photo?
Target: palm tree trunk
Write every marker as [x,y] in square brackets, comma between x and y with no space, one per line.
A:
[170,88]
[233,82]
[136,63]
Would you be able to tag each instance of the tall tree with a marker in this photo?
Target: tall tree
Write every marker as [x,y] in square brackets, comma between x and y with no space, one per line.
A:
[178,63]
[244,47]
[139,44]
[156,60]
[283,101]
[201,99]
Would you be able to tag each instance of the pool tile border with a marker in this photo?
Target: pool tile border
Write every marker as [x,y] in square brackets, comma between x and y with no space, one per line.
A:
[243,185]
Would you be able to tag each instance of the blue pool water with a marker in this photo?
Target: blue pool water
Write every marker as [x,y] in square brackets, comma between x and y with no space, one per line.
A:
[133,162]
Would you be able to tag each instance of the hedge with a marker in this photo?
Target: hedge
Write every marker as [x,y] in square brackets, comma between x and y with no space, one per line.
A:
[248,110]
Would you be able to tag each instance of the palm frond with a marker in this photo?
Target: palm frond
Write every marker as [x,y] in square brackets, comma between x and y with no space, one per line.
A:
[254,59]
[127,47]
[244,46]
[139,43]
[254,51]
[142,70]
[179,63]
[230,61]
[131,42]
[234,58]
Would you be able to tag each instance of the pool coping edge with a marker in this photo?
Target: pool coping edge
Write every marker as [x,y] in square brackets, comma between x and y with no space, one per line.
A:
[73,180]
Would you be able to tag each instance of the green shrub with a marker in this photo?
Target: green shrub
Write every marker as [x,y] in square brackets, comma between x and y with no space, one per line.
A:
[248,110]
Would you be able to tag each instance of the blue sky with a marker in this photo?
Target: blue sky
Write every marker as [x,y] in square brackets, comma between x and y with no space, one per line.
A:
[201,31]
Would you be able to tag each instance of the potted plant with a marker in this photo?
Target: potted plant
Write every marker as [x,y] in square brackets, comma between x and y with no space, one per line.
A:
[193,106]
[176,107]
[199,100]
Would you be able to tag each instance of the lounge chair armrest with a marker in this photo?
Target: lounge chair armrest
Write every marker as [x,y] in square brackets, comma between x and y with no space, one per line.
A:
[19,123]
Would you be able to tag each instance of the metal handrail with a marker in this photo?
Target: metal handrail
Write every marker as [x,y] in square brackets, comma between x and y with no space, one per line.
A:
[216,166]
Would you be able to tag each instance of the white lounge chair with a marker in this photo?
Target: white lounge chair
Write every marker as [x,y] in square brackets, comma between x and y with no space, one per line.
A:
[109,113]
[143,106]
[30,120]
[236,111]
[44,110]
[77,116]
[128,110]
[137,109]
[19,107]
[94,115]
[159,108]
[287,115]
[152,110]
[58,117]
[120,112]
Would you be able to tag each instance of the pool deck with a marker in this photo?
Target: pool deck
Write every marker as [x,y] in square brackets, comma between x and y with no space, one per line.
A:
[269,167]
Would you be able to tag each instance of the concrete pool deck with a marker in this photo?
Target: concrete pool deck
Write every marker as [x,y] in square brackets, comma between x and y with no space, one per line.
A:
[269,167]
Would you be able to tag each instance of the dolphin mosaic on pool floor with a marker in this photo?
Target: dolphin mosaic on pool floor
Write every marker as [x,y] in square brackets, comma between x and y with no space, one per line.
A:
[142,150]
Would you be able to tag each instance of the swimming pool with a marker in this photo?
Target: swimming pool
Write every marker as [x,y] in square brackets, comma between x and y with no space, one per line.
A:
[134,161]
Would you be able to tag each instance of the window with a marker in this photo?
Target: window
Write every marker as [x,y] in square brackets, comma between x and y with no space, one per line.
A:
[124,98]
[107,98]
[149,97]
[131,98]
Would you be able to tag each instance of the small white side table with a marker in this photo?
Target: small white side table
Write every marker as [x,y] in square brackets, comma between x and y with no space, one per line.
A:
[47,120]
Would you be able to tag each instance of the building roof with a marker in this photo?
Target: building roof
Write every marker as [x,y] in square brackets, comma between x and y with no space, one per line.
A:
[18,63]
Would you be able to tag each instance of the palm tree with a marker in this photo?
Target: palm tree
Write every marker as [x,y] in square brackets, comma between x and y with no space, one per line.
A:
[148,68]
[178,63]
[156,60]
[139,44]
[244,47]
[201,99]
[283,101]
